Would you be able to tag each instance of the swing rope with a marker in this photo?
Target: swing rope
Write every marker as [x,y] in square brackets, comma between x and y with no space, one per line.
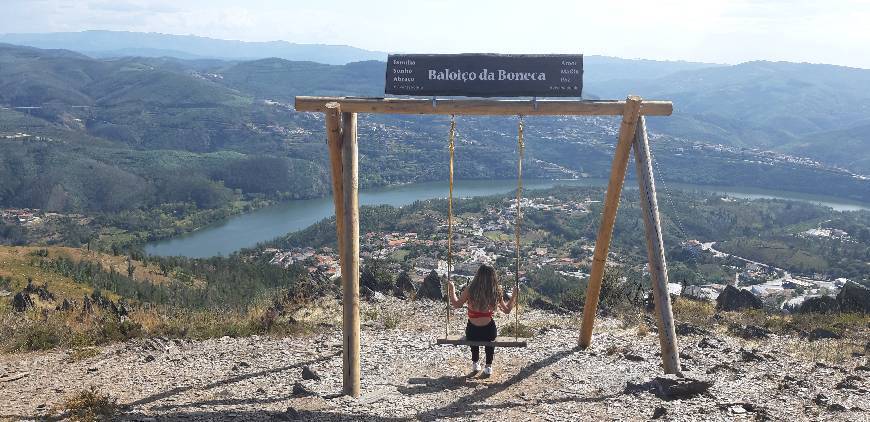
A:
[520,149]
[450,219]
[517,223]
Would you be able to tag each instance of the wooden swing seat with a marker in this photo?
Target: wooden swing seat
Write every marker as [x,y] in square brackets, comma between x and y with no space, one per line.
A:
[498,342]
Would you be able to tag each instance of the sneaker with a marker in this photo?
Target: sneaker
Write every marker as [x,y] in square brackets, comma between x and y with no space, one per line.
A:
[475,367]
[487,370]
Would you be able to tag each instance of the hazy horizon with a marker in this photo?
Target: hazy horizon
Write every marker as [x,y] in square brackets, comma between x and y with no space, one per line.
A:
[720,31]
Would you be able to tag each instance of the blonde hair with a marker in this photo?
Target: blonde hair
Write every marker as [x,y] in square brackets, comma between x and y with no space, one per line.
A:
[484,290]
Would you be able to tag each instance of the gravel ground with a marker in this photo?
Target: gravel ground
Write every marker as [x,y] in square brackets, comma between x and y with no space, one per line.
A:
[406,376]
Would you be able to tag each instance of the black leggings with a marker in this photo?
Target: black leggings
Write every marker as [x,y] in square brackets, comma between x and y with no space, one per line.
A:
[485,333]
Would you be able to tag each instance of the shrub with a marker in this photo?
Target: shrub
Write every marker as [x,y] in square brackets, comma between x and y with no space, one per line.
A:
[698,312]
[39,336]
[516,330]
[573,300]
[91,405]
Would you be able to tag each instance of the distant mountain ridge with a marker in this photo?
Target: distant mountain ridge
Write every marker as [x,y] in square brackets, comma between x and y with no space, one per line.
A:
[114,44]
[103,44]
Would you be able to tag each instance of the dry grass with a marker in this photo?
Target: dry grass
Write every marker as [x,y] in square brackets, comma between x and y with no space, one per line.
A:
[831,351]
[90,405]
[81,353]
[38,330]
[642,329]
[694,312]
[513,329]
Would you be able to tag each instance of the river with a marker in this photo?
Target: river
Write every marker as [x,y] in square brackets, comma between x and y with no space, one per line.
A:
[246,230]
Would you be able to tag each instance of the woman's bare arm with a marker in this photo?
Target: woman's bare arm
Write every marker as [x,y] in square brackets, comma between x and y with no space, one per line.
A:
[507,307]
[451,294]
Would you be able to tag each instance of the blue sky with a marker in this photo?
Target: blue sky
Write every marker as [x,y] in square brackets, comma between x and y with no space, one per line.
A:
[732,31]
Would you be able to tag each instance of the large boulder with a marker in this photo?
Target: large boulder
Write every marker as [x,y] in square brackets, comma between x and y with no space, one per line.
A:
[854,298]
[734,299]
[22,302]
[431,288]
[404,285]
[819,305]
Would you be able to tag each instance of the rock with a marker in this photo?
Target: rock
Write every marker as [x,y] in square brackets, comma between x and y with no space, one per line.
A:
[734,299]
[720,366]
[366,293]
[751,356]
[431,287]
[821,333]
[837,407]
[686,329]
[744,408]
[22,302]
[659,412]
[670,387]
[819,305]
[737,409]
[291,414]
[824,401]
[791,383]
[309,374]
[750,332]
[404,285]
[851,382]
[14,377]
[854,298]
[40,291]
[87,305]
[710,343]
[633,357]
[300,390]
[65,305]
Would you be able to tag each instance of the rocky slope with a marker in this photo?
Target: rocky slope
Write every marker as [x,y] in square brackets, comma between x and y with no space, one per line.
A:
[407,376]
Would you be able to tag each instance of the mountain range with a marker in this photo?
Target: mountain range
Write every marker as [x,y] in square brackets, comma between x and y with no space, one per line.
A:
[139,120]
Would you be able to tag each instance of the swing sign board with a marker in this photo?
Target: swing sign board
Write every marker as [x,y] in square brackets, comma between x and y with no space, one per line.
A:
[485,75]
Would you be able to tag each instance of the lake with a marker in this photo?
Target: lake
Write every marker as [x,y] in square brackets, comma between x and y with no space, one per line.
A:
[246,230]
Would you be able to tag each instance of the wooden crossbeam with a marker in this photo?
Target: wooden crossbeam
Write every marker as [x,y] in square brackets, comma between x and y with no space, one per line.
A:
[481,107]
[498,342]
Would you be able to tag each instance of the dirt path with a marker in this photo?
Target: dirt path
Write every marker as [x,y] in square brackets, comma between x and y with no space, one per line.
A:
[406,376]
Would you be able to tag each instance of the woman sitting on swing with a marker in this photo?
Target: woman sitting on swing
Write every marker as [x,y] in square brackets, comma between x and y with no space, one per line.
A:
[483,295]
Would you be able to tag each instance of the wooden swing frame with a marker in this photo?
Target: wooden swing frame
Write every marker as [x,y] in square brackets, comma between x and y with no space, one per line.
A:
[341,132]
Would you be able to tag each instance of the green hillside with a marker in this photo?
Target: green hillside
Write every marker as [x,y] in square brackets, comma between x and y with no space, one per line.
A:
[161,145]
[838,146]
[760,104]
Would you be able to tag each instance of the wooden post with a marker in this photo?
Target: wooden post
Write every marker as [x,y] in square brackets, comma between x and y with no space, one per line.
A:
[608,216]
[658,268]
[333,140]
[350,255]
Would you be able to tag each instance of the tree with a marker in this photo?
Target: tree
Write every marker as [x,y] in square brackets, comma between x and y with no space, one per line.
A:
[376,276]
